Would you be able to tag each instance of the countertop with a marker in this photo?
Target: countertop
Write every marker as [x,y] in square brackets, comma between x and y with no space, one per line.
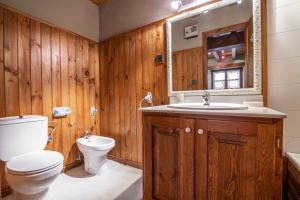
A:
[295,159]
[261,112]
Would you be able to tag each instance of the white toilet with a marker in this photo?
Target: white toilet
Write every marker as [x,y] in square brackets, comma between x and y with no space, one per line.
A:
[29,168]
[94,149]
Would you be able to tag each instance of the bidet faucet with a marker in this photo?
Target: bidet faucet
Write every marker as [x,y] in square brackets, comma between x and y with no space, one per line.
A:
[206,98]
[87,134]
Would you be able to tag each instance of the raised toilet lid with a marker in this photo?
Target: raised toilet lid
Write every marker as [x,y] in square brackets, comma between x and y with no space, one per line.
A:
[34,162]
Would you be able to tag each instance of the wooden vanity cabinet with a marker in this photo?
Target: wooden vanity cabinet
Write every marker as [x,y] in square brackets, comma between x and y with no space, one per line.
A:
[192,157]
[169,158]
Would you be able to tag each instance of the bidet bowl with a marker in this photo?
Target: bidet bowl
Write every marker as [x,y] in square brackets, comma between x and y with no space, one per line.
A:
[94,149]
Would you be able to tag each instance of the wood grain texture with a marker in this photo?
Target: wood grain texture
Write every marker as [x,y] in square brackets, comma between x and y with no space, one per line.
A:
[249,54]
[188,68]
[36,68]
[24,64]
[56,86]
[266,157]
[231,166]
[230,163]
[169,163]
[264,54]
[46,73]
[292,184]
[65,93]
[12,105]
[98,2]
[73,99]
[278,183]
[128,72]
[116,56]
[41,67]
[2,67]
[201,153]
[97,87]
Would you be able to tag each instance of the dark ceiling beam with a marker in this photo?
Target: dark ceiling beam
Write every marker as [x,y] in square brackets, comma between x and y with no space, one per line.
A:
[98,2]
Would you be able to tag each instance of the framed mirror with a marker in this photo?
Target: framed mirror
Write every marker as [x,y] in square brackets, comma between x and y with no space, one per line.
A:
[216,48]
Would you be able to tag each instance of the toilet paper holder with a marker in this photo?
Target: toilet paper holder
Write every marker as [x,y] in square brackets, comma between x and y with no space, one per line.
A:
[59,112]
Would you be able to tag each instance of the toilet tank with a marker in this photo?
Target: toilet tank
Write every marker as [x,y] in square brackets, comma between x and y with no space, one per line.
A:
[22,134]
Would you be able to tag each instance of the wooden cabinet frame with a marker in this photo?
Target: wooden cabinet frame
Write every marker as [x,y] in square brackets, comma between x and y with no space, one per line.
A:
[231,157]
[171,134]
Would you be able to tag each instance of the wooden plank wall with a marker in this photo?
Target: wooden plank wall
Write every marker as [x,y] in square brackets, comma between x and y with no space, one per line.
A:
[127,72]
[188,66]
[42,67]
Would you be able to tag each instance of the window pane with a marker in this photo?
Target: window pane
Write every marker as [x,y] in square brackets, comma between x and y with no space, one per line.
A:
[233,75]
[219,85]
[234,84]
[219,76]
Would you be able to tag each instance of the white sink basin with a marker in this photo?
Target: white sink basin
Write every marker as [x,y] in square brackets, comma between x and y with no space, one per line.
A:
[212,106]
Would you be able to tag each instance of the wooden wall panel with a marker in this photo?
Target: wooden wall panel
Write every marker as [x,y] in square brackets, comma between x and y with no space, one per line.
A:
[128,71]
[79,84]
[65,93]
[2,72]
[11,63]
[188,66]
[56,86]
[24,64]
[126,98]
[41,67]
[139,91]
[97,87]
[73,100]
[36,68]
[86,91]
[92,87]
[46,73]
[116,92]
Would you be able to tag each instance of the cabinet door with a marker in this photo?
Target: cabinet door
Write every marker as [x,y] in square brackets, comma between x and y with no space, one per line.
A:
[168,158]
[231,166]
[201,160]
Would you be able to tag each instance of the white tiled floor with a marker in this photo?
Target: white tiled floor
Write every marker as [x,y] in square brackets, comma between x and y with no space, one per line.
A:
[115,181]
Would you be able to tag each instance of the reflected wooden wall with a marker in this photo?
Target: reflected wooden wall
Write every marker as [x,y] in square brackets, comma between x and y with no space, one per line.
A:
[41,67]
[128,71]
[187,69]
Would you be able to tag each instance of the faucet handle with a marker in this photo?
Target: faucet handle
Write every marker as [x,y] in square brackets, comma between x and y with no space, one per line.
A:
[87,133]
[206,97]
[205,93]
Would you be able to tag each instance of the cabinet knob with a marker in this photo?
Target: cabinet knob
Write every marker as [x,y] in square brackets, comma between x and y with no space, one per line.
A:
[187,130]
[200,131]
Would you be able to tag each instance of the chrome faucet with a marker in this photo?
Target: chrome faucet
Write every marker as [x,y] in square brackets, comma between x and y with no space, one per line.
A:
[87,134]
[206,98]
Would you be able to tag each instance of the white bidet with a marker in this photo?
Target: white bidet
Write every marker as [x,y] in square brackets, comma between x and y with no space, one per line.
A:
[94,149]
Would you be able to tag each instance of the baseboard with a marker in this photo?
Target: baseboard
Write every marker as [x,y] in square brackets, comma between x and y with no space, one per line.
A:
[72,165]
[5,191]
[126,162]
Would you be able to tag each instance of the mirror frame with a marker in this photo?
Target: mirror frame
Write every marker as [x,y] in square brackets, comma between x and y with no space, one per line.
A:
[257,51]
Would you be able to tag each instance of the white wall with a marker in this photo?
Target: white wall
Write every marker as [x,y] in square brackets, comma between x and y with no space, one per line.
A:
[119,16]
[284,66]
[78,16]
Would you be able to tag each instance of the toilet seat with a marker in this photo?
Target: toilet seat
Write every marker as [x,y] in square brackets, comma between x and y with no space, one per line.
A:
[34,162]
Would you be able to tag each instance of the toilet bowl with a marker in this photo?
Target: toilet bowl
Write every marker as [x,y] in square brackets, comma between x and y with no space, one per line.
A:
[94,149]
[30,174]
[29,169]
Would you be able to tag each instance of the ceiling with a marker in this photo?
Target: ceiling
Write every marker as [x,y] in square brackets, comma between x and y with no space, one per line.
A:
[184,2]
[97,2]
